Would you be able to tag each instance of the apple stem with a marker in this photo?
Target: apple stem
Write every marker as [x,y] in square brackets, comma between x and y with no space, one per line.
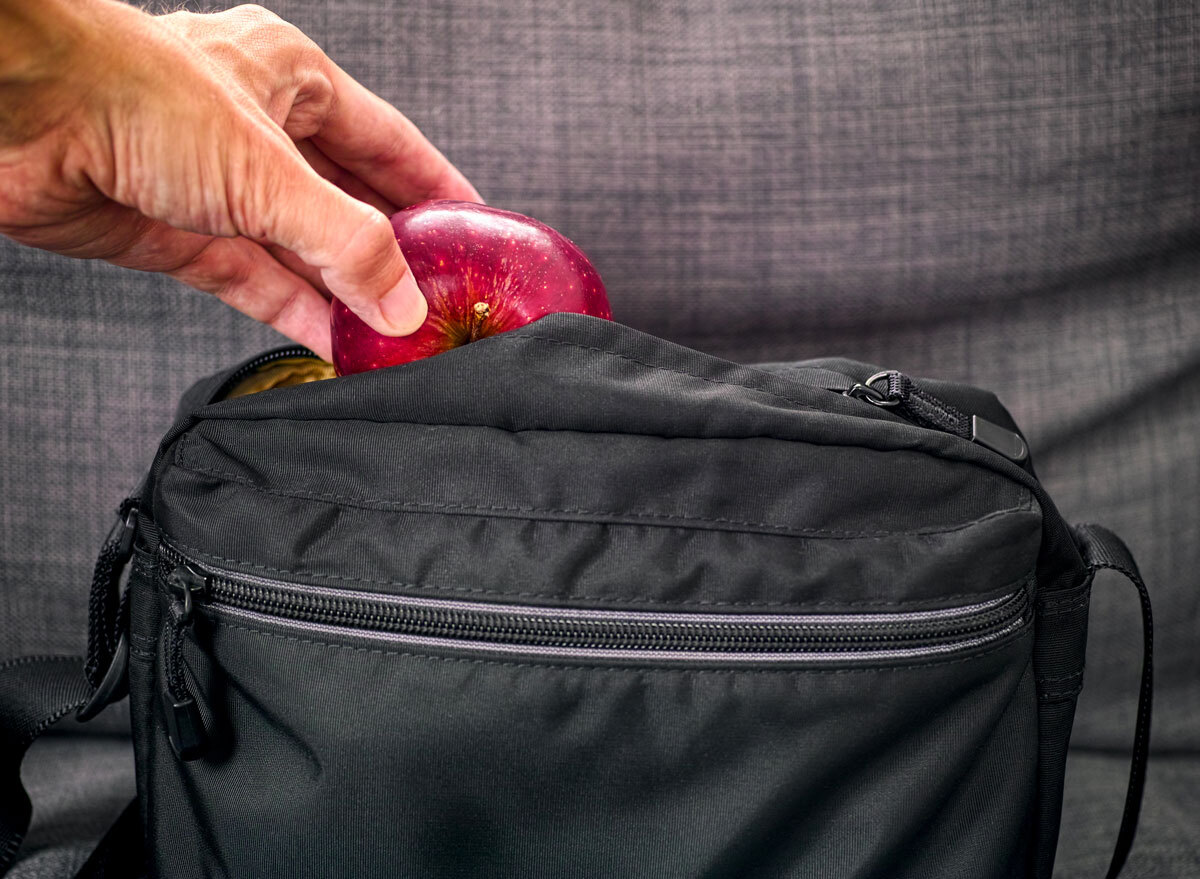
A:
[479,313]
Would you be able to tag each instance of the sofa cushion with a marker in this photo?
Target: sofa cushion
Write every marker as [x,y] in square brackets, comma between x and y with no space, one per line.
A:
[1000,192]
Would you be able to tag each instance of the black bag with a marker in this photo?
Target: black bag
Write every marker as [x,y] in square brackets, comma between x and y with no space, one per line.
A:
[573,601]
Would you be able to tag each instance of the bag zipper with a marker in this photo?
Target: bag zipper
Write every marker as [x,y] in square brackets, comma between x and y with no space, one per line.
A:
[902,397]
[555,632]
[923,409]
[254,363]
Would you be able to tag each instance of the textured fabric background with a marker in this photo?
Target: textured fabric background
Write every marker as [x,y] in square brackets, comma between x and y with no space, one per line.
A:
[1001,192]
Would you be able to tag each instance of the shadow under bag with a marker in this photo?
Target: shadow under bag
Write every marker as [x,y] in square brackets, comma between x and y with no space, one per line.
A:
[573,601]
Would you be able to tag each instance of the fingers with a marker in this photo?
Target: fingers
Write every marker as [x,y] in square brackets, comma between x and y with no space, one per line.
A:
[370,138]
[238,271]
[280,198]
[343,179]
[307,94]
[295,264]
[239,173]
[242,274]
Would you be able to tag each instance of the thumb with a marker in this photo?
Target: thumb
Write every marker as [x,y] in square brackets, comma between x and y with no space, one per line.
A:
[350,242]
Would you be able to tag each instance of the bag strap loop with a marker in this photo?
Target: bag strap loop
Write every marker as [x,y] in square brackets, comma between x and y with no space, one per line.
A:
[1101,549]
[104,607]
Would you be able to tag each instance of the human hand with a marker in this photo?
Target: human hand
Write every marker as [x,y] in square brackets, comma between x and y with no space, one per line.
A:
[225,150]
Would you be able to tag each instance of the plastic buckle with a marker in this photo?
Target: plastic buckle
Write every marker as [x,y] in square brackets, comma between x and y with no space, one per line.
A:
[127,528]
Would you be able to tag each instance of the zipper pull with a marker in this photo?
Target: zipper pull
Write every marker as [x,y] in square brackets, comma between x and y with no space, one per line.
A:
[185,725]
[926,410]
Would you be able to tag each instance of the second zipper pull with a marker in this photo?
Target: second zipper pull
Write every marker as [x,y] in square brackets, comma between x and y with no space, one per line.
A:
[184,721]
[925,410]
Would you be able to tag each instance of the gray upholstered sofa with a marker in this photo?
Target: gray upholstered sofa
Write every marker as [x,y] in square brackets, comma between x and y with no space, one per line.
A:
[1001,192]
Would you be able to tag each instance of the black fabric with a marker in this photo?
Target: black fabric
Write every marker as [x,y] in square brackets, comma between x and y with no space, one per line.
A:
[121,854]
[576,463]
[1104,550]
[34,693]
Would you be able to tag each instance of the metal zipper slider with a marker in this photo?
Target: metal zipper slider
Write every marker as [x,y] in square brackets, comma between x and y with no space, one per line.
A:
[187,581]
[185,724]
[925,410]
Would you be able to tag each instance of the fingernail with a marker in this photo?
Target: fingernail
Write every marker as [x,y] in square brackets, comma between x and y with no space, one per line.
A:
[404,307]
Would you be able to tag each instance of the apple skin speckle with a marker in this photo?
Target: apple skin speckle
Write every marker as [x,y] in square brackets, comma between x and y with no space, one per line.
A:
[462,254]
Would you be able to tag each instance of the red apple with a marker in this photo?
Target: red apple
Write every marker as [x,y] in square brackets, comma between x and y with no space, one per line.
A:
[483,271]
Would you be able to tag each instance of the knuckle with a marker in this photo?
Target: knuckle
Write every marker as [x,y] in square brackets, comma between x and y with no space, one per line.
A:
[378,226]
[310,61]
[232,279]
[378,237]
[253,12]
[284,309]
[394,153]
[266,28]
[181,19]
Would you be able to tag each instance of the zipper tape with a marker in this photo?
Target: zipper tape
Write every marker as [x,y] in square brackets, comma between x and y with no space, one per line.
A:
[589,633]
[656,655]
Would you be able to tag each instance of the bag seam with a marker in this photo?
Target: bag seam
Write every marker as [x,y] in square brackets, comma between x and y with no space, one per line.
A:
[664,520]
[1058,610]
[519,337]
[1051,679]
[1025,580]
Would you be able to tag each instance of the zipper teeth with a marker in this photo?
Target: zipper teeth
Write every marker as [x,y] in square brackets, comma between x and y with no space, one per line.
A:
[734,654]
[261,360]
[579,632]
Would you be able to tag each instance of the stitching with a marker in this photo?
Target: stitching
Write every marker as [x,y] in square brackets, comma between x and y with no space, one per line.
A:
[602,516]
[1068,695]
[1060,610]
[1071,595]
[143,639]
[26,660]
[1056,678]
[1021,582]
[1077,596]
[935,405]
[617,668]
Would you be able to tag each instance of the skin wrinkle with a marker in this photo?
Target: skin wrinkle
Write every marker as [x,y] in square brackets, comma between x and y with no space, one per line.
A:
[292,302]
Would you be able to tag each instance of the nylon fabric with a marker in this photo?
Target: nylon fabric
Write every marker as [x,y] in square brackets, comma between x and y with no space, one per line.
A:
[1104,550]
[760,179]
[620,472]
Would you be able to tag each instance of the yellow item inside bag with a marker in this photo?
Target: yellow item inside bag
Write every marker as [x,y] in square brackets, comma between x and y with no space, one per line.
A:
[283,373]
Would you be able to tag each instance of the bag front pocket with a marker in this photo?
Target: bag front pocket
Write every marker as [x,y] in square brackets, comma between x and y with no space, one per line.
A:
[366,734]
[588,634]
